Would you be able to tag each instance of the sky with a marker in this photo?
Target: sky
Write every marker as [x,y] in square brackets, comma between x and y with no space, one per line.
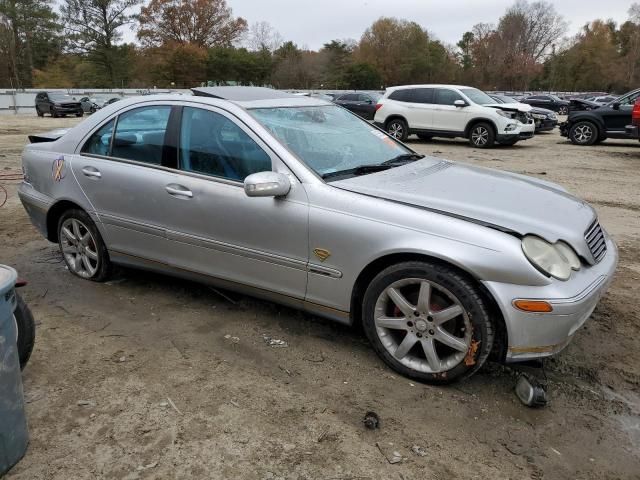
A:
[314,22]
[311,23]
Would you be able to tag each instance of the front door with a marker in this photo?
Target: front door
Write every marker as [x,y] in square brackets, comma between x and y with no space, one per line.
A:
[447,117]
[216,229]
[616,119]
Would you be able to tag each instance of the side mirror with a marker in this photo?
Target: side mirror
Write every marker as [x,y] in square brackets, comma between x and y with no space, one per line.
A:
[460,103]
[267,184]
[615,105]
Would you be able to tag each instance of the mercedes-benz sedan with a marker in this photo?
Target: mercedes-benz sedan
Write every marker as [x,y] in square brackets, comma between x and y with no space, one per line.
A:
[297,200]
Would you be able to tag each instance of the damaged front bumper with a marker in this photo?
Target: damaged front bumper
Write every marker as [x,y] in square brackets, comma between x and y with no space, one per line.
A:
[539,335]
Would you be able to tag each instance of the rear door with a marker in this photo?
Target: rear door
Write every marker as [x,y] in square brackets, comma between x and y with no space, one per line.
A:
[349,101]
[419,106]
[122,169]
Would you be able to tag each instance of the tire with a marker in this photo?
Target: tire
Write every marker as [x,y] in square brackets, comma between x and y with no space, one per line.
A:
[87,258]
[79,114]
[398,129]
[482,135]
[26,331]
[563,110]
[425,137]
[390,327]
[584,133]
[38,112]
[54,114]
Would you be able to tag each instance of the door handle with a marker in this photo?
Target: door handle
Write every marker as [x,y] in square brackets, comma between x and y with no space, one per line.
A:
[179,190]
[91,172]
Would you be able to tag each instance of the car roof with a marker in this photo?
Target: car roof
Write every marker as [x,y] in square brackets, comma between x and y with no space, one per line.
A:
[429,85]
[257,97]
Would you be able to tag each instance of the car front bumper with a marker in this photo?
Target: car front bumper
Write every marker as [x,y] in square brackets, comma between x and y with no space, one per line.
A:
[538,335]
[545,125]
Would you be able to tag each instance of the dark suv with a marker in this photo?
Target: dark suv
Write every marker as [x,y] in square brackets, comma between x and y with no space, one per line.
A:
[361,103]
[550,102]
[57,104]
[609,121]
[633,130]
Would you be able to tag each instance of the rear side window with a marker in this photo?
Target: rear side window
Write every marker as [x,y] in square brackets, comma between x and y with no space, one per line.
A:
[211,144]
[350,97]
[446,97]
[401,95]
[140,134]
[100,142]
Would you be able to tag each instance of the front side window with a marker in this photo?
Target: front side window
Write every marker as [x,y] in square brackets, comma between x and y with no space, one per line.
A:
[140,134]
[100,142]
[211,144]
[446,97]
[629,99]
[328,138]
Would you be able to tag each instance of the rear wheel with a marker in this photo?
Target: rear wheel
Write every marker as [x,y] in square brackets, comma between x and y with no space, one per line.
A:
[398,129]
[583,133]
[82,246]
[482,135]
[427,322]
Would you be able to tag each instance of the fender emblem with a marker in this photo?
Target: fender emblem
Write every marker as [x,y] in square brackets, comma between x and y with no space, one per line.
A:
[321,253]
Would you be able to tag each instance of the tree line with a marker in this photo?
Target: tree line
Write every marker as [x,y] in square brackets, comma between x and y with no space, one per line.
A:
[185,43]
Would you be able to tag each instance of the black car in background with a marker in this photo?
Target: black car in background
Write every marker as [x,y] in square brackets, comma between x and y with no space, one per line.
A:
[360,103]
[545,119]
[550,102]
[608,121]
[57,105]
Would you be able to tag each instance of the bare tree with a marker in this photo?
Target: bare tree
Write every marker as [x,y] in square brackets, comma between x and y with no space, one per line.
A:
[262,36]
[205,23]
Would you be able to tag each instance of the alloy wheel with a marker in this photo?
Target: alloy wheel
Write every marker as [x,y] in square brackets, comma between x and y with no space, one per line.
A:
[480,136]
[396,130]
[583,133]
[79,248]
[423,325]
[563,110]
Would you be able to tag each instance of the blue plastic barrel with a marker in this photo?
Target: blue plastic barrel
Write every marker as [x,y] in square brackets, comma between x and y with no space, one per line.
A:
[13,423]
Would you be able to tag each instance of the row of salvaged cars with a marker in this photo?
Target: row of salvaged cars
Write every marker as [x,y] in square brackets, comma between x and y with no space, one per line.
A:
[487,118]
[60,104]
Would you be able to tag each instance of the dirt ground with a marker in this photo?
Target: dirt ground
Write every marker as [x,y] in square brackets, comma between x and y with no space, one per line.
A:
[153,377]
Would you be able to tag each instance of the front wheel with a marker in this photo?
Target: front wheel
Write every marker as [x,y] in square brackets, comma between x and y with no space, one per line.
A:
[583,133]
[398,129]
[563,110]
[427,322]
[482,135]
[82,246]
[26,327]
[39,113]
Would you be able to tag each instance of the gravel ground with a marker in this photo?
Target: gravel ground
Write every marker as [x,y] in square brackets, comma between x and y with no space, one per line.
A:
[153,377]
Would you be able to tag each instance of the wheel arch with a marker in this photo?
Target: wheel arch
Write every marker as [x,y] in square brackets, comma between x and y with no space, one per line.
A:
[376,266]
[395,116]
[474,121]
[597,121]
[54,214]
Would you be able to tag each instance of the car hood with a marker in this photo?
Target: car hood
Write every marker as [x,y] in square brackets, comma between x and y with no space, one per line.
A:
[542,111]
[519,107]
[502,200]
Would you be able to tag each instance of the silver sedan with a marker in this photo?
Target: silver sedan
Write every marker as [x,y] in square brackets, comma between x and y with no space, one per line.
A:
[299,201]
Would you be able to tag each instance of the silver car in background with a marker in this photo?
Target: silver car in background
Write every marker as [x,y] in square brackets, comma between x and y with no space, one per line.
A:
[299,201]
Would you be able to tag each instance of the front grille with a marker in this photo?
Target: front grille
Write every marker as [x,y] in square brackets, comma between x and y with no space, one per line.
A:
[595,241]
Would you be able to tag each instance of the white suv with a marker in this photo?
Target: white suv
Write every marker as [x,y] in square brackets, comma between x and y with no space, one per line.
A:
[452,111]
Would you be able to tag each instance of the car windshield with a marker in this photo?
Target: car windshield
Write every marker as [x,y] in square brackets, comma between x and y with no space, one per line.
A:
[329,139]
[557,99]
[506,99]
[57,97]
[477,96]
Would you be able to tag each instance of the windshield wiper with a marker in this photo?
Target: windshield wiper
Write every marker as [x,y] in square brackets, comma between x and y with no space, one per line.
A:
[404,158]
[359,170]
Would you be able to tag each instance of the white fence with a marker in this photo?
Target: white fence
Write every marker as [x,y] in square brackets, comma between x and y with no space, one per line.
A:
[14,102]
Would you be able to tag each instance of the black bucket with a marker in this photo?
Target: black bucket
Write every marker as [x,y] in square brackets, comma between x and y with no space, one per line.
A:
[14,436]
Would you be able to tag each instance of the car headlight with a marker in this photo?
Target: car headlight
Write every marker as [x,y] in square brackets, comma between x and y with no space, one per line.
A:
[556,260]
[505,114]
[538,116]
